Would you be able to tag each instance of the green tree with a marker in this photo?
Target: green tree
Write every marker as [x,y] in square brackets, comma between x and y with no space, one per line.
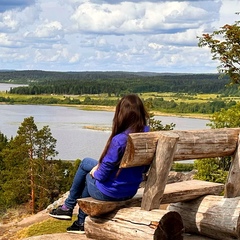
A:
[211,169]
[216,169]
[226,118]
[25,162]
[156,125]
[225,47]
[3,144]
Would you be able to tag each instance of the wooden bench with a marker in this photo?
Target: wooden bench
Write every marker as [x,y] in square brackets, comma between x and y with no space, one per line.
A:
[174,192]
[161,149]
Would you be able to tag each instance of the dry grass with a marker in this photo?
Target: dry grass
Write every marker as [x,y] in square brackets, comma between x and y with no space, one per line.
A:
[49,226]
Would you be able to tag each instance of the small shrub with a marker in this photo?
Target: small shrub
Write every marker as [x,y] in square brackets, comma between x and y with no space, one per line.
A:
[182,167]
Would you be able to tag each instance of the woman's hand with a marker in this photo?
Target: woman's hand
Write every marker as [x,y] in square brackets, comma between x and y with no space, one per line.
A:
[93,170]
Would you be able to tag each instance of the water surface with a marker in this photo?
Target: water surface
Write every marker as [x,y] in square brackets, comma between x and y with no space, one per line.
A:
[68,124]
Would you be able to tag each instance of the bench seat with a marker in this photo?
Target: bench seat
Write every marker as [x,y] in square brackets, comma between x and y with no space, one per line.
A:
[174,192]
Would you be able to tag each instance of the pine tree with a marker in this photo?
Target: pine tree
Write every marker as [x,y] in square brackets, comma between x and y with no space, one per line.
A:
[25,161]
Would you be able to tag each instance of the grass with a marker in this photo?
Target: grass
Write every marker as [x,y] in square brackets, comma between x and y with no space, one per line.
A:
[168,96]
[49,226]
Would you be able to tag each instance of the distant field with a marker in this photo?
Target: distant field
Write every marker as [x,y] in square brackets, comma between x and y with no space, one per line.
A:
[188,98]
[168,96]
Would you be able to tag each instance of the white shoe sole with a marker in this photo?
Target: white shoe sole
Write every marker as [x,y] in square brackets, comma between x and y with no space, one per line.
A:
[63,217]
[77,232]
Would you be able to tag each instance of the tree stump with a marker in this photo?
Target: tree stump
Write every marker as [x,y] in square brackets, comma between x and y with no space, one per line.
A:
[136,224]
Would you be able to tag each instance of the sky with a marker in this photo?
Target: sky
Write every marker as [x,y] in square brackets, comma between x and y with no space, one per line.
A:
[111,35]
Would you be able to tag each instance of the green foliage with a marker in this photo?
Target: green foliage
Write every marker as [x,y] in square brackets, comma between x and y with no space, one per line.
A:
[211,169]
[216,169]
[3,144]
[156,125]
[159,104]
[226,118]
[28,173]
[111,83]
[182,167]
[225,48]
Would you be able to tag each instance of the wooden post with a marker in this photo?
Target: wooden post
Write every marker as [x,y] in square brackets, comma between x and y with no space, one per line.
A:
[159,171]
[136,224]
[232,187]
[213,216]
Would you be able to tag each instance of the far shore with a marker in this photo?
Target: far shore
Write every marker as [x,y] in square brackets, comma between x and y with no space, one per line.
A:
[156,113]
[112,109]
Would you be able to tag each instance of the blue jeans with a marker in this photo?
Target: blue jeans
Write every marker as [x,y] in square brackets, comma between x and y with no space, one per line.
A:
[84,186]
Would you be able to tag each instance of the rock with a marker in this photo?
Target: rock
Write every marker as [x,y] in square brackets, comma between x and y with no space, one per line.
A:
[180,176]
[58,202]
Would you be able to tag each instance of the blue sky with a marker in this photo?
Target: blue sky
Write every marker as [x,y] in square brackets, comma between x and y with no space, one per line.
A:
[97,35]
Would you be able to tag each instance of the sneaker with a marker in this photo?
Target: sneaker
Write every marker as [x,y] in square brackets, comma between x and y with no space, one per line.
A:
[76,228]
[61,214]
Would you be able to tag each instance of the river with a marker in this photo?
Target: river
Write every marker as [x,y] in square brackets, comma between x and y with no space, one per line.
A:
[68,126]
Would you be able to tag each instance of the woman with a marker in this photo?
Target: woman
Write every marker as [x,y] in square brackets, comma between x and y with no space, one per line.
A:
[102,179]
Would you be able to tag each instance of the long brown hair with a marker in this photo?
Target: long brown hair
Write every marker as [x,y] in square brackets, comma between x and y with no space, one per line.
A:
[130,114]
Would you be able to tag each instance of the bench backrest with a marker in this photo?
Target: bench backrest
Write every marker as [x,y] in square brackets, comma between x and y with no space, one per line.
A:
[192,144]
[161,148]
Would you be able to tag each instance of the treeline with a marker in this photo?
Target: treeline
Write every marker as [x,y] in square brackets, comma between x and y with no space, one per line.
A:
[209,107]
[113,83]
[156,103]
[120,86]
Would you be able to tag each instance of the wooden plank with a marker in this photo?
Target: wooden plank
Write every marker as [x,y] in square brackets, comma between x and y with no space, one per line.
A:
[136,224]
[159,171]
[232,188]
[174,192]
[188,190]
[95,207]
[212,216]
[192,144]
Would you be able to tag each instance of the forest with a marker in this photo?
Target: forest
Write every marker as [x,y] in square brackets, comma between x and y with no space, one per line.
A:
[112,83]
[45,87]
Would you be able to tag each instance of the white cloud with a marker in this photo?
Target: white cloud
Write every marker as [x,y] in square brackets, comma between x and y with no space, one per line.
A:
[47,30]
[79,35]
[144,17]
[7,22]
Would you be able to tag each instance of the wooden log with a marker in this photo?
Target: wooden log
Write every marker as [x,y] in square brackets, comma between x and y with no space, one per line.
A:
[213,216]
[93,207]
[188,190]
[159,171]
[192,144]
[174,192]
[136,224]
[232,188]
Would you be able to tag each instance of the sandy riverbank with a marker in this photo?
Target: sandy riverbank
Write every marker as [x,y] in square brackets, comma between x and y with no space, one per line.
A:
[156,113]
